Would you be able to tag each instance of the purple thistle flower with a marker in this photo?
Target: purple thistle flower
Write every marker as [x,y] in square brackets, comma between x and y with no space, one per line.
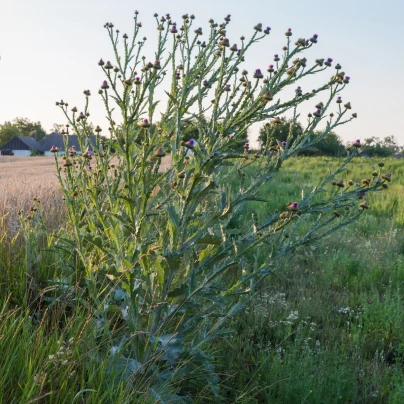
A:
[145,120]
[258,71]
[284,143]
[90,168]
[329,60]
[271,66]
[228,15]
[362,193]
[174,27]
[347,78]
[268,29]
[137,78]
[192,142]
[358,141]
[276,55]
[315,36]
[295,205]
[168,16]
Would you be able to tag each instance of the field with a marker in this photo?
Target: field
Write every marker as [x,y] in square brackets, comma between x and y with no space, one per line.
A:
[325,328]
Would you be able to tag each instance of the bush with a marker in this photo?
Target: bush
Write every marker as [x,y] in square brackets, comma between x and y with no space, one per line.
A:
[155,251]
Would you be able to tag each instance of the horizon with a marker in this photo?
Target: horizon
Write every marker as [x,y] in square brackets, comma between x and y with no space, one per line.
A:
[49,51]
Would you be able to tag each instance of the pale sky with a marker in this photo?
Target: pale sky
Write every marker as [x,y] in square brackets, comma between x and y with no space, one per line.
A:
[50,48]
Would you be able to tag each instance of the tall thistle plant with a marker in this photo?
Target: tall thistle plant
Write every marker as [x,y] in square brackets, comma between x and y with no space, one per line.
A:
[152,211]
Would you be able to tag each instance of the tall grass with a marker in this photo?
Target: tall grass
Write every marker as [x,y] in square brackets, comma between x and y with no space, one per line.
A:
[327,327]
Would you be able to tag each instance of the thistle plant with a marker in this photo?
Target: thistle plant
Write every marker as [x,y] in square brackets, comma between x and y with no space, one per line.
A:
[151,210]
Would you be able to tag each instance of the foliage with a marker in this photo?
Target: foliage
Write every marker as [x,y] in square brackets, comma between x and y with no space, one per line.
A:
[376,147]
[20,127]
[328,145]
[349,285]
[156,254]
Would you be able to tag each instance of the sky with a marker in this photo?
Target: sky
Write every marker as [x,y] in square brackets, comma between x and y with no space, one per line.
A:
[49,50]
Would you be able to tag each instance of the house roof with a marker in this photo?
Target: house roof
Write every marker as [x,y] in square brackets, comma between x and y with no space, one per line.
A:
[30,142]
[53,139]
[56,139]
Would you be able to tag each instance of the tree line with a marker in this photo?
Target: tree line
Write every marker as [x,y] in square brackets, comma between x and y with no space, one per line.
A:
[330,145]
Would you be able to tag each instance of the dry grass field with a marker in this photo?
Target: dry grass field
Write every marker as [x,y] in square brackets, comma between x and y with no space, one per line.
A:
[22,179]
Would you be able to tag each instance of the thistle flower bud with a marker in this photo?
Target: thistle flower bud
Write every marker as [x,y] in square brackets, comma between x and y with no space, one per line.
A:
[190,144]
[98,129]
[108,66]
[319,62]
[346,79]
[159,152]
[181,175]
[224,42]
[338,66]
[74,109]
[340,183]
[173,29]
[268,96]
[234,48]
[267,30]
[101,63]
[104,85]
[357,143]
[198,31]
[339,100]
[276,120]
[317,113]
[137,81]
[350,183]
[293,206]
[366,182]
[227,18]
[313,39]
[364,205]
[347,105]
[144,123]
[328,62]
[227,87]
[54,149]
[387,177]
[354,115]
[156,65]
[288,32]
[270,69]
[380,164]
[67,163]
[276,58]
[258,27]
[258,74]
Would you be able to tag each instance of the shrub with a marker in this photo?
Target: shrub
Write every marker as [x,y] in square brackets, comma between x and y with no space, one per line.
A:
[154,250]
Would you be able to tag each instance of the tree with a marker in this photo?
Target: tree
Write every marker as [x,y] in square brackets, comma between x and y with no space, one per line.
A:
[376,147]
[7,132]
[29,128]
[20,127]
[280,131]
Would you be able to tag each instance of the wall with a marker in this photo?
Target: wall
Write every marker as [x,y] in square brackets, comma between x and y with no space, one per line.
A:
[22,153]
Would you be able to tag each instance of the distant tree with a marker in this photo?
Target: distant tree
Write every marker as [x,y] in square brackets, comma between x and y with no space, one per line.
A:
[374,146]
[29,128]
[7,132]
[330,145]
[280,131]
[57,127]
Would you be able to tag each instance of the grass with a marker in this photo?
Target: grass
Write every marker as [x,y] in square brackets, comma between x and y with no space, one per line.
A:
[325,328]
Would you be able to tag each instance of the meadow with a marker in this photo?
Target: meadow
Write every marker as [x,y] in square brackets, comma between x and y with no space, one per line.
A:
[324,327]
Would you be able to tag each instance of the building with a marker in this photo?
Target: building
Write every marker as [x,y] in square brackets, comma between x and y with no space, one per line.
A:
[28,146]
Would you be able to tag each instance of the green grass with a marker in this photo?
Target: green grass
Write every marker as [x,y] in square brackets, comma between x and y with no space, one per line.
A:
[326,328]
